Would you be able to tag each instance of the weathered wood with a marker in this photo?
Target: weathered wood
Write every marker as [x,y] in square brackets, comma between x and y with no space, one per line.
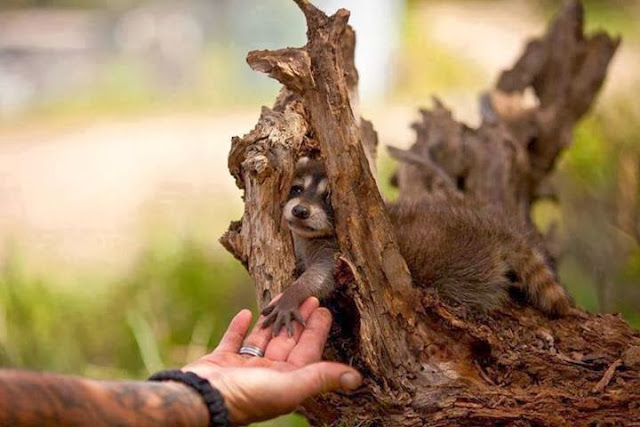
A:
[262,164]
[377,267]
[508,160]
[427,363]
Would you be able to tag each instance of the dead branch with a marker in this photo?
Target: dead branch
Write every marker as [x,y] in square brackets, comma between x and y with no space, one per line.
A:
[427,363]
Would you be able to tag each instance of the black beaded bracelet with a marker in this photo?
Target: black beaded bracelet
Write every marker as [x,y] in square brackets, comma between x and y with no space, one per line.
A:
[218,413]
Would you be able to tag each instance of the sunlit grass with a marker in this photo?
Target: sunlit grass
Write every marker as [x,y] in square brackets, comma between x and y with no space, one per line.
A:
[134,325]
[170,309]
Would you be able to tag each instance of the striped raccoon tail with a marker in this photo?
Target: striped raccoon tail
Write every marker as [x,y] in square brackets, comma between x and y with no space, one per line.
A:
[539,283]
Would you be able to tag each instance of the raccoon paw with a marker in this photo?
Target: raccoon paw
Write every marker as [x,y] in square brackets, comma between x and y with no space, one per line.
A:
[282,313]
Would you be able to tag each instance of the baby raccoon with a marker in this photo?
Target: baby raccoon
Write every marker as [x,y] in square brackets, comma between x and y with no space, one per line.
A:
[468,255]
[309,216]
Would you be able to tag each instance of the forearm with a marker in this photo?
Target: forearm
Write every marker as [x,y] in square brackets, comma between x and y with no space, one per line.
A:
[316,281]
[35,399]
[318,278]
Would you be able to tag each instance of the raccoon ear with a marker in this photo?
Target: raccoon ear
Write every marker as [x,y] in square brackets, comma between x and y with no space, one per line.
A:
[302,161]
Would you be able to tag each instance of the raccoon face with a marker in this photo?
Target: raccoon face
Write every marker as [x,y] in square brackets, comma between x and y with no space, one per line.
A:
[308,211]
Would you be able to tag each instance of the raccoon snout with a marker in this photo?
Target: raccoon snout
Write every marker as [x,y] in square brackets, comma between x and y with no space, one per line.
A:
[301,212]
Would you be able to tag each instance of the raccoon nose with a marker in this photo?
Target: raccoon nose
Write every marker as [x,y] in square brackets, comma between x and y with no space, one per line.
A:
[300,211]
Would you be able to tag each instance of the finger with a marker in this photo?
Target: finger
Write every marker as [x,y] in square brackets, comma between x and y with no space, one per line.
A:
[260,335]
[322,377]
[299,318]
[313,339]
[294,387]
[234,336]
[279,347]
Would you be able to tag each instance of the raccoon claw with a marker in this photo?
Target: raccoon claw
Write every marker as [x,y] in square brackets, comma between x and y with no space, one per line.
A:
[267,310]
[281,314]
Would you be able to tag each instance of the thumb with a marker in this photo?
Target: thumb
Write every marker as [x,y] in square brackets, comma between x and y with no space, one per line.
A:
[323,377]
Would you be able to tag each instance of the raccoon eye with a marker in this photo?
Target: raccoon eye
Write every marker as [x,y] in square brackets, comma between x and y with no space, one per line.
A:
[327,198]
[295,190]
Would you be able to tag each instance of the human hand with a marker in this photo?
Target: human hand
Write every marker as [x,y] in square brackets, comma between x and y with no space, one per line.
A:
[260,388]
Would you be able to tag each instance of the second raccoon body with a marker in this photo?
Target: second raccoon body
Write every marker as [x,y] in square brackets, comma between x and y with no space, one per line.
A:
[468,255]
[473,257]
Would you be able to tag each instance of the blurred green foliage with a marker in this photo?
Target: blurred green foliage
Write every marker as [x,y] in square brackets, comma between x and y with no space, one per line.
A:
[599,183]
[170,306]
[169,310]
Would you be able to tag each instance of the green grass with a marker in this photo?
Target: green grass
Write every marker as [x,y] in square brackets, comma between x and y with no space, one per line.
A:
[590,195]
[156,315]
[170,309]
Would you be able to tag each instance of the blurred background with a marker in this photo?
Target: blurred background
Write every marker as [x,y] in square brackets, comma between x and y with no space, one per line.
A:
[115,123]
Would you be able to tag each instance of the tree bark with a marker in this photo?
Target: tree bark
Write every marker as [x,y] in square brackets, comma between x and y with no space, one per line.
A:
[425,362]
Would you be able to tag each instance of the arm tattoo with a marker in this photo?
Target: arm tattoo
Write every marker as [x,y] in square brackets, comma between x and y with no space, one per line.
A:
[34,399]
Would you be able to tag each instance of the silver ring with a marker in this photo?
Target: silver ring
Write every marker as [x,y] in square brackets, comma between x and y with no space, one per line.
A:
[251,350]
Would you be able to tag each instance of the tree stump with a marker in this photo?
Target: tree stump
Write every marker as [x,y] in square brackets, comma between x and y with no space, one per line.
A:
[426,362]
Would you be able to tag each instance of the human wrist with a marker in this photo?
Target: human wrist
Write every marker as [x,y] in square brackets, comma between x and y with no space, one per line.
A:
[197,405]
[211,399]
[237,416]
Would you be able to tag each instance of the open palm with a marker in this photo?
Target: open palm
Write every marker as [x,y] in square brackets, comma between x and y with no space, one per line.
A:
[260,388]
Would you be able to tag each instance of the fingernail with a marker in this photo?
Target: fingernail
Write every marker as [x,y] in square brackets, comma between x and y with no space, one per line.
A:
[350,381]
